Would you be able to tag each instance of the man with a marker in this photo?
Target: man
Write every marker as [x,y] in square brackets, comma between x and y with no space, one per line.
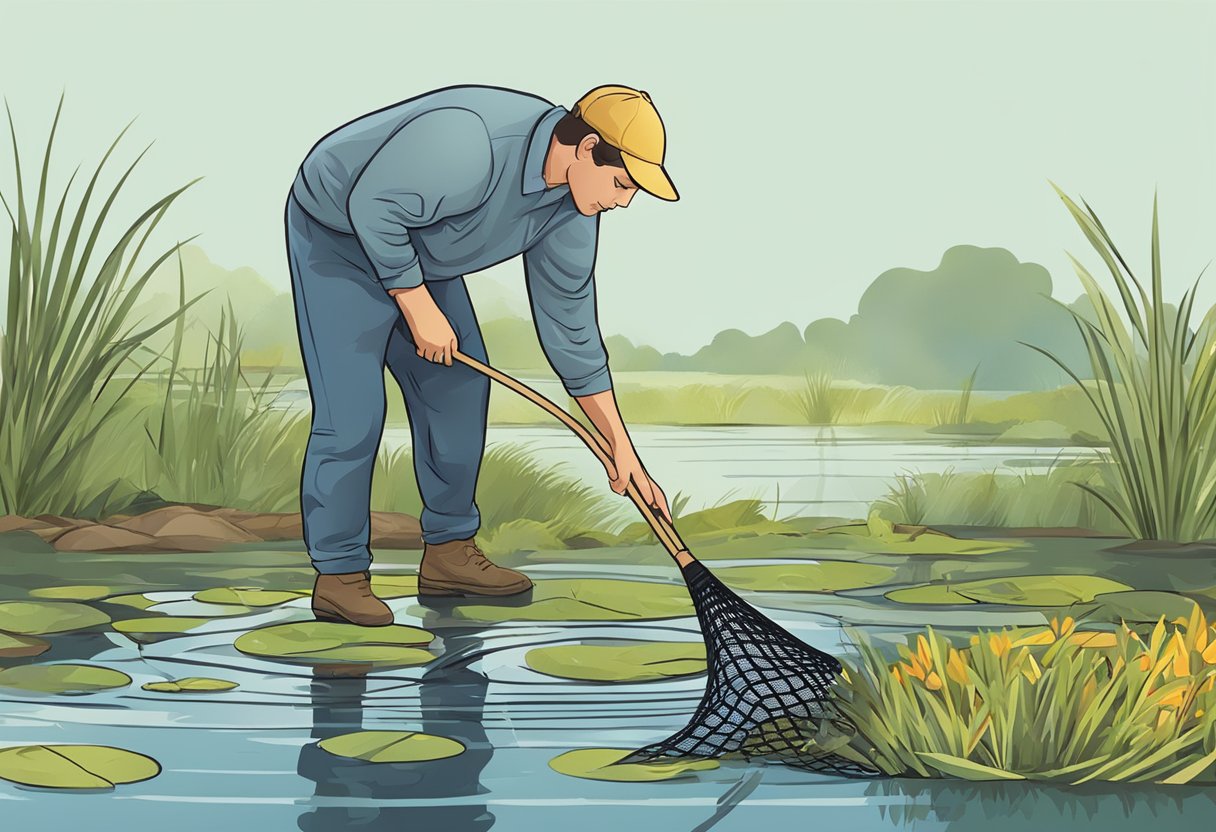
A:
[385,217]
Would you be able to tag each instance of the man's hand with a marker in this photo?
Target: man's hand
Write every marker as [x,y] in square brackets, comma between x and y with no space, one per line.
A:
[434,338]
[625,467]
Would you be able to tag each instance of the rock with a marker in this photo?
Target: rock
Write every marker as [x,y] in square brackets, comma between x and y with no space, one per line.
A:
[273,526]
[100,538]
[15,522]
[393,530]
[65,522]
[185,522]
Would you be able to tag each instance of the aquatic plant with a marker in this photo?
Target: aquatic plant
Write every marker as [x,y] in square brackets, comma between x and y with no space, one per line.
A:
[1157,407]
[1046,703]
[60,349]
[996,498]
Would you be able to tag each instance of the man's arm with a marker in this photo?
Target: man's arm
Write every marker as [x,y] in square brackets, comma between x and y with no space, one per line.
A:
[559,273]
[437,165]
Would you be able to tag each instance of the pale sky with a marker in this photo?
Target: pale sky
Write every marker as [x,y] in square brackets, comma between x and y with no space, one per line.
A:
[814,144]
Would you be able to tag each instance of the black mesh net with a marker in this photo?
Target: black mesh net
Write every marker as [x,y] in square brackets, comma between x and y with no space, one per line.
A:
[767,693]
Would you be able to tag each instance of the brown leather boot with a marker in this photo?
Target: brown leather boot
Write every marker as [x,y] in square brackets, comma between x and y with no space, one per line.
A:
[459,567]
[348,599]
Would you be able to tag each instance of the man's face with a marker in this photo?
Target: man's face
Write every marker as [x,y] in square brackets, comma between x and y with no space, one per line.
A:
[597,188]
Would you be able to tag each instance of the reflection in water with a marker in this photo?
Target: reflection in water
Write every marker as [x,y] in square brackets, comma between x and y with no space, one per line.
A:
[995,805]
[452,698]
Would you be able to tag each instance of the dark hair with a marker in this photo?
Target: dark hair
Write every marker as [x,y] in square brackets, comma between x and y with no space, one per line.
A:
[571,130]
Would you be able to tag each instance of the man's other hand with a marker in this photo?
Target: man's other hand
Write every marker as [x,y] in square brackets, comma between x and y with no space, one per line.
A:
[434,338]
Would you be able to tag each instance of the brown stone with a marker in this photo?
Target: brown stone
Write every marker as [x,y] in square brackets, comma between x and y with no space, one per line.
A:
[65,522]
[393,530]
[99,538]
[187,522]
[15,522]
[271,526]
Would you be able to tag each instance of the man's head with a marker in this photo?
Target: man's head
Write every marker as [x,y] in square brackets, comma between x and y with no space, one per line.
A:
[611,145]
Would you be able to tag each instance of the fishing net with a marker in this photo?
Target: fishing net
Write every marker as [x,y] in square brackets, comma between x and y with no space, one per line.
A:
[767,694]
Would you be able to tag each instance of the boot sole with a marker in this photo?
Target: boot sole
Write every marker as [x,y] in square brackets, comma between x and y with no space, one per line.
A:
[323,615]
[443,588]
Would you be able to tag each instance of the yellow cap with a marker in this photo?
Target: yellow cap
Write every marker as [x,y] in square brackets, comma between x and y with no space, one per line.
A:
[627,120]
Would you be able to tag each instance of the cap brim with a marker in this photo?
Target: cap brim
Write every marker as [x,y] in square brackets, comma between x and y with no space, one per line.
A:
[650,177]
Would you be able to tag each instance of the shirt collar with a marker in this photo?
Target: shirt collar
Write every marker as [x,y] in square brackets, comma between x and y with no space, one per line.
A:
[538,146]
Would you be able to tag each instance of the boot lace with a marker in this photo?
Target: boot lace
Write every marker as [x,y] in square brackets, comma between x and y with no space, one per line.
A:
[477,557]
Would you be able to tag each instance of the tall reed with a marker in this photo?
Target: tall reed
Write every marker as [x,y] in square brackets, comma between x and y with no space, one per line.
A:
[60,350]
[1159,408]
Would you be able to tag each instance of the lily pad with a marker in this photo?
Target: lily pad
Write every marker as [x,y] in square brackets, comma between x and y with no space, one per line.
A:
[879,535]
[310,642]
[137,600]
[63,678]
[191,684]
[596,764]
[588,599]
[149,630]
[1021,590]
[247,596]
[74,592]
[17,647]
[1140,606]
[825,576]
[392,746]
[394,586]
[63,766]
[32,618]
[637,662]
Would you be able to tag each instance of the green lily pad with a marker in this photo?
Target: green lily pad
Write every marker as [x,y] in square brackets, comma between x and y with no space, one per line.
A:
[826,576]
[637,662]
[879,535]
[310,642]
[247,596]
[394,586]
[1022,590]
[588,599]
[17,647]
[928,594]
[63,678]
[1140,606]
[137,600]
[74,766]
[596,764]
[74,592]
[191,684]
[33,618]
[392,746]
[149,630]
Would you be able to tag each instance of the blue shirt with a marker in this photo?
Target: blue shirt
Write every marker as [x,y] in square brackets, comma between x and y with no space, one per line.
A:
[450,182]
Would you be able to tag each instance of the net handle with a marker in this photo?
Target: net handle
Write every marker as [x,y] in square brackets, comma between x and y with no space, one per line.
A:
[663,530]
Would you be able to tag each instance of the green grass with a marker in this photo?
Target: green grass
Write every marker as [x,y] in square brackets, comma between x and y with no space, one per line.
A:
[1159,408]
[65,335]
[1055,497]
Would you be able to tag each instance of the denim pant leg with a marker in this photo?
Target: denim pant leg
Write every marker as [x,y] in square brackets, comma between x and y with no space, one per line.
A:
[447,409]
[344,318]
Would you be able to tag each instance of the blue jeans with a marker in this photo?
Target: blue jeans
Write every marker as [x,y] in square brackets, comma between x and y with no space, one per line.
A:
[350,328]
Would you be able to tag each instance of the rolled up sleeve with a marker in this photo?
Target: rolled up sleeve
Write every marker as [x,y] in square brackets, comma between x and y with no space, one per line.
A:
[437,165]
[559,271]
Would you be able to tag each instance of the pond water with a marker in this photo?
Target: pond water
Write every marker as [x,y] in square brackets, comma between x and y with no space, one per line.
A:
[799,470]
[249,758]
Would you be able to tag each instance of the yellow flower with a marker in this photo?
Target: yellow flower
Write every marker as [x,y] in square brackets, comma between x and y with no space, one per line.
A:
[913,670]
[922,652]
[933,681]
[956,667]
[1182,659]
[1032,673]
[999,644]
[1144,661]
[899,680]
[1093,639]
[1174,700]
[1209,653]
